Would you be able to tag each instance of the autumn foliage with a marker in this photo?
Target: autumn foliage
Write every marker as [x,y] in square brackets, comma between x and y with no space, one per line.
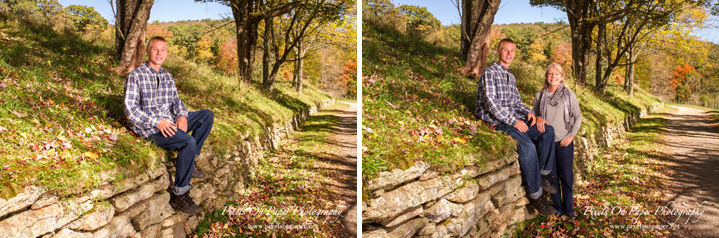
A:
[226,60]
[680,79]
[349,77]
[158,30]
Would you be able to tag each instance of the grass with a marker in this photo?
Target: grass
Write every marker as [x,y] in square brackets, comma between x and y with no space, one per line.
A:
[417,106]
[61,116]
[629,175]
[303,172]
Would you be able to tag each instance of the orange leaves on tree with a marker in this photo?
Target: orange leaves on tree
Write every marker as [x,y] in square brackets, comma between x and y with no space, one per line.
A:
[563,55]
[226,60]
[680,77]
[680,74]
[349,77]
[153,30]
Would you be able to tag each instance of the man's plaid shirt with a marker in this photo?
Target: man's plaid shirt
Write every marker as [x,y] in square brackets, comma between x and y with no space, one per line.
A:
[150,97]
[498,99]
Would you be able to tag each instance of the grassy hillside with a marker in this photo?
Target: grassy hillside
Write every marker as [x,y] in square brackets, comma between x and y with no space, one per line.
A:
[61,110]
[416,106]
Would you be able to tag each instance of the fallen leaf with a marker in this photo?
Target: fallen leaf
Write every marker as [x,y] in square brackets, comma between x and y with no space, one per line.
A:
[20,115]
[113,137]
[3,86]
[91,154]
[368,129]
[392,105]
[460,140]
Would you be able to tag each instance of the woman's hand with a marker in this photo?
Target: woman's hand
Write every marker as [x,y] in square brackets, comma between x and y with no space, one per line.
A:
[540,124]
[566,141]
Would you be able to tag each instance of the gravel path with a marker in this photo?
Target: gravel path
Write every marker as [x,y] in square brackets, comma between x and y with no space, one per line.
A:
[345,137]
[693,147]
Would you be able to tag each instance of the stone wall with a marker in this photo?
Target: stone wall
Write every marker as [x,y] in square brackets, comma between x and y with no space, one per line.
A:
[477,201]
[139,206]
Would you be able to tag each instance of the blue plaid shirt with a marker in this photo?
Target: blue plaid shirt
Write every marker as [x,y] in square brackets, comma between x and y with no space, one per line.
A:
[498,99]
[150,97]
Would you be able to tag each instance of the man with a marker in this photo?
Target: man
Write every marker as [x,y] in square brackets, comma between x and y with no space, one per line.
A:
[499,104]
[156,113]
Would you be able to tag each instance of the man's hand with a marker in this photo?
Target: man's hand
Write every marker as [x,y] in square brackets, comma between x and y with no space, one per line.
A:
[566,141]
[540,124]
[521,126]
[167,128]
[531,117]
[182,123]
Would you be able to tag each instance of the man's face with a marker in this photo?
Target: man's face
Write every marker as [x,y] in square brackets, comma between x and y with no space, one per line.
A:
[157,52]
[506,53]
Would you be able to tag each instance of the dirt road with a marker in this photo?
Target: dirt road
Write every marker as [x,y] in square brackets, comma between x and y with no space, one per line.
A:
[693,148]
[345,137]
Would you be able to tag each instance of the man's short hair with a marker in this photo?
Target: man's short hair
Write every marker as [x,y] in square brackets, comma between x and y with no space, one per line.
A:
[504,40]
[160,38]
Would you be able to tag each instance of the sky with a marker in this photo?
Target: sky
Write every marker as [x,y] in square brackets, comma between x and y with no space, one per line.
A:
[509,12]
[162,10]
[514,11]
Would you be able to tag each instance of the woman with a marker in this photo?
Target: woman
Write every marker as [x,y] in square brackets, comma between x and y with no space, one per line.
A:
[556,105]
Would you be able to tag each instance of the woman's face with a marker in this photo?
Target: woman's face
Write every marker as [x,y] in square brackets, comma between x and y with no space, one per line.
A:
[553,77]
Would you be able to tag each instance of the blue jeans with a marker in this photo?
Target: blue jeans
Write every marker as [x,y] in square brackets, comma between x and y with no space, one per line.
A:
[188,146]
[533,160]
[563,179]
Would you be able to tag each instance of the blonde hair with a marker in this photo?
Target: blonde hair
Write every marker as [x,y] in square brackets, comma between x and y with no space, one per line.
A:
[546,75]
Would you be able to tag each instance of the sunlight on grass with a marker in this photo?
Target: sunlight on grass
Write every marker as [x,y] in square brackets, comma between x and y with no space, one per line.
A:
[302,172]
[629,174]
[61,114]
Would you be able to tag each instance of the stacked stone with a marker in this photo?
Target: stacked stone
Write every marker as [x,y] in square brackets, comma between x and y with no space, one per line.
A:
[478,200]
[140,206]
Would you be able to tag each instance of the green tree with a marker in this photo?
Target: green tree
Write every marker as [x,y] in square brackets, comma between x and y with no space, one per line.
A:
[523,37]
[184,35]
[292,29]
[583,17]
[82,16]
[48,10]
[418,19]
[375,8]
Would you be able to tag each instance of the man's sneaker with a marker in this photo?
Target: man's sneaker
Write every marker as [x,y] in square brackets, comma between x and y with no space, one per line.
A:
[542,205]
[197,173]
[546,185]
[184,203]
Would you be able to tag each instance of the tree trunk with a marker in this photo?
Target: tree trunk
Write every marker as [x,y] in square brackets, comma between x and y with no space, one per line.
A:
[477,19]
[296,70]
[247,26]
[266,50]
[577,14]
[131,19]
[301,65]
[629,83]
[601,35]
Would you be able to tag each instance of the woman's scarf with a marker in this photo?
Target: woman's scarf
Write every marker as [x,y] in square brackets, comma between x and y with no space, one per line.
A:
[562,94]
